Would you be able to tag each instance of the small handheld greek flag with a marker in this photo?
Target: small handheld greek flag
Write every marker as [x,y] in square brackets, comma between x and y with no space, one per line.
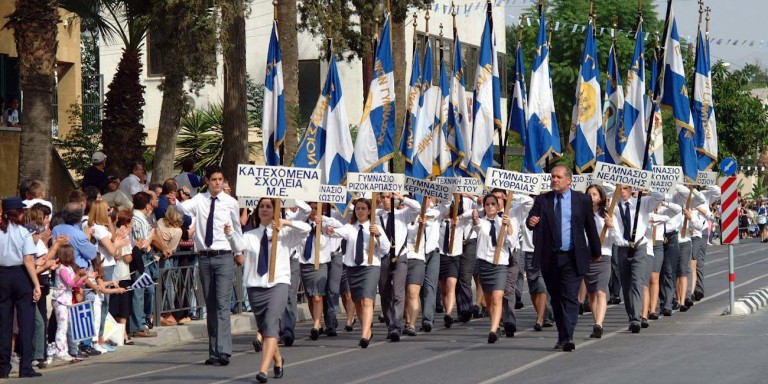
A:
[81,321]
[142,282]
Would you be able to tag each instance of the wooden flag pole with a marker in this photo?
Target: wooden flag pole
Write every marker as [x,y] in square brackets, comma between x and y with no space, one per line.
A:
[454,214]
[684,233]
[614,199]
[318,234]
[273,254]
[420,232]
[371,240]
[502,233]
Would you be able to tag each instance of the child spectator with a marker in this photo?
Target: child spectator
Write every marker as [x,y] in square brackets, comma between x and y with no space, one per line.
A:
[68,276]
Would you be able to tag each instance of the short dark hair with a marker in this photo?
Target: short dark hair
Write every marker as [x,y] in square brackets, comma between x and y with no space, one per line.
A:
[24,187]
[213,168]
[187,165]
[141,200]
[72,213]
[169,186]
[77,196]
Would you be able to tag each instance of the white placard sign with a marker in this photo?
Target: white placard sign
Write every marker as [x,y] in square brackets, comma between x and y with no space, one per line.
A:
[375,182]
[429,188]
[524,183]
[665,178]
[248,202]
[617,174]
[581,182]
[334,194]
[468,185]
[545,181]
[706,178]
[278,182]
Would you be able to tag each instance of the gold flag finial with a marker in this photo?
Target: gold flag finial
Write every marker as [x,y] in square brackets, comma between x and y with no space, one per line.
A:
[274,8]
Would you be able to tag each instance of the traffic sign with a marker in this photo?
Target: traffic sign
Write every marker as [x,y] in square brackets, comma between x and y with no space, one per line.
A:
[729,233]
[728,166]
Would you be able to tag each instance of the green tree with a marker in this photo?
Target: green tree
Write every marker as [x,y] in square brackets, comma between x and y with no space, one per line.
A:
[82,141]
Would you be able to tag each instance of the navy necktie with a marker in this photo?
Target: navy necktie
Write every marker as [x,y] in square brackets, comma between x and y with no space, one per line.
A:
[559,221]
[263,266]
[627,223]
[359,246]
[209,223]
[391,233]
[494,241]
[310,243]
[447,238]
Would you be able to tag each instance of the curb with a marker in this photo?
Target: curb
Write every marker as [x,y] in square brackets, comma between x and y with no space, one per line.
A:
[750,303]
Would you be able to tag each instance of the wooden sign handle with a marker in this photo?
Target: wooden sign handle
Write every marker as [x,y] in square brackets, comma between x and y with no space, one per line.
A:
[273,254]
[614,200]
[371,239]
[318,234]
[685,219]
[421,228]
[503,232]
[454,214]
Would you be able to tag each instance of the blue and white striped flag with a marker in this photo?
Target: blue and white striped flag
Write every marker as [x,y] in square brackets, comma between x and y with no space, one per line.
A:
[459,118]
[543,131]
[587,119]
[142,282]
[486,109]
[613,107]
[703,112]
[517,117]
[425,131]
[675,96]
[374,145]
[81,321]
[327,143]
[630,143]
[447,152]
[414,94]
[654,112]
[273,121]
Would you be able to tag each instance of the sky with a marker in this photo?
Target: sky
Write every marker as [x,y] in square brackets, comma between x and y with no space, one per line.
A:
[735,20]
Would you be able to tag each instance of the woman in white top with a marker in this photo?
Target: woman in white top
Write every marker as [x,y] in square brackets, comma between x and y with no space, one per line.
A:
[599,274]
[363,276]
[416,268]
[493,277]
[450,257]
[268,299]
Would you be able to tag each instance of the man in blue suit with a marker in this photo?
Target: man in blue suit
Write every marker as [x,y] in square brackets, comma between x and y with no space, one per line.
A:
[565,243]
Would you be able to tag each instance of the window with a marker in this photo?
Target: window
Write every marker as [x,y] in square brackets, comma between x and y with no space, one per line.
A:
[154,55]
[309,87]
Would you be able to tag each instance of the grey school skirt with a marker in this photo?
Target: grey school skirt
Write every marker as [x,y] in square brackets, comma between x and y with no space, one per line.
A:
[449,266]
[598,276]
[363,282]
[268,305]
[314,281]
[492,277]
[415,274]
[658,256]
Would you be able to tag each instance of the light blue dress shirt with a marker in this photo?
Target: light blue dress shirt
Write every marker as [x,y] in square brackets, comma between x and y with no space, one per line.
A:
[565,225]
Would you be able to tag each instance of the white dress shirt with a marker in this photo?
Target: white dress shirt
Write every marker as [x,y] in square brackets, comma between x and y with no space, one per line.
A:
[403,217]
[327,244]
[647,205]
[465,222]
[300,213]
[227,212]
[469,205]
[249,244]
[485,250]
[413,229]
[606,249]
[349,232]
[131,185]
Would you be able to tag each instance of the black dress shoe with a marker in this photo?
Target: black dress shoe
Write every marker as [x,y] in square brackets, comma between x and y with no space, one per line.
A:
[519,304]
[427,326]
[447,321]
[634,327]
[688,302]
[644,323]
[587,308]
[493,337]
[364,342]
[331,333]
[465,316]
[614,300]
[510,329]
[683,308]
[537,327]
[261,377]
[559,344]
[439,309]
[698,295]
[653,316]
[675,306]
[666,312]
[568,345]
[476,311]
[256,345]
[314,334]
[29,374]
[279,371]
[581,309]
[212,361]
[224,360]
[394,336]
[288,340]
[597,331]
[548,324]
[381,318]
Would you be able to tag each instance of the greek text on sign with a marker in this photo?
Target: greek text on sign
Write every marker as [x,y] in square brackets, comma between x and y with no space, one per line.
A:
[335,194]
[581,182]
[428,188]
[617,174]
[525,183]
[468,185]
[278,182]
[545,180]
[706,178]
[665,178]
[375,182]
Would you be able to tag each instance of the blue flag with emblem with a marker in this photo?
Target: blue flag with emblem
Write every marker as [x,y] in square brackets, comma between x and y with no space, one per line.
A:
[630,144]
[613,107]
[414,94]
[675,97]
[543,131]
[517,120]
[273,120]
[458,119]
[374,145]
[587,117]
[81,321]
[705,138]
[449,139]
[425,131]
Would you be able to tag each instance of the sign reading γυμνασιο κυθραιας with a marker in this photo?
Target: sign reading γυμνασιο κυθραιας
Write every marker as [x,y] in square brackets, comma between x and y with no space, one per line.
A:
[516,182]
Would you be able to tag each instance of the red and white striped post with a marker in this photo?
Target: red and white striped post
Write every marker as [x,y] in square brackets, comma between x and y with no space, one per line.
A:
[729,233]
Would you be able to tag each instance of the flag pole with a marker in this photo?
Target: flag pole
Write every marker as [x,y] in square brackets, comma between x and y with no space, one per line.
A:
[371,240]
[278,202]
[456,196]
[502,232]
[420,230]
[319,208]
[617,192]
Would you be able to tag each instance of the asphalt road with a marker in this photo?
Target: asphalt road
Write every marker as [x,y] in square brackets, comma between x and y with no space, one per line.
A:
[700,346]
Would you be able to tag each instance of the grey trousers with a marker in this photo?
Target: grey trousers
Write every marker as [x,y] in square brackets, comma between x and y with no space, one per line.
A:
[668,274]
[699,254]
[392,291]
[520,276]
[464,300]
[217,275]
[288,323]
[510,291]
[332,287]
[614,284]
[429,288]
[633,269]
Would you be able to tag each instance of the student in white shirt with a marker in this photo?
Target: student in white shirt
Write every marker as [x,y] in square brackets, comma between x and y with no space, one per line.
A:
[493,277]
[596,279]
[268,299]
[360,233]
[417,269]
[450,257]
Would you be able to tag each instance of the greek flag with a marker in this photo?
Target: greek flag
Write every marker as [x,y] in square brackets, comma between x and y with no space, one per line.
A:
[374,145]
[654,112]
[486,108]
[517,122]
[630,143]
[81,321]
[447,151]
[543,132]
[458,119]
[613,107]
[705,138]
[587,119]
[142,282]
[675,96]
[273,121]
[414,94]
[426,129]
[327,143]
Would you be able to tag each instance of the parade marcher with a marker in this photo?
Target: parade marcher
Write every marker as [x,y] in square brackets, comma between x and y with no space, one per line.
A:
[655,235]
[685,253]
[415,276]
[299,212]
[596,279]
[521,205]
[566,240]
[360,234]
[467,261]
[668,274]
[536,286]
[450,258]
[431,246]
[268,299]
[711,194]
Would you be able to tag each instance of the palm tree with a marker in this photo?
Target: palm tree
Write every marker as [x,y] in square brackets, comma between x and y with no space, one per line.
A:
[34,24]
